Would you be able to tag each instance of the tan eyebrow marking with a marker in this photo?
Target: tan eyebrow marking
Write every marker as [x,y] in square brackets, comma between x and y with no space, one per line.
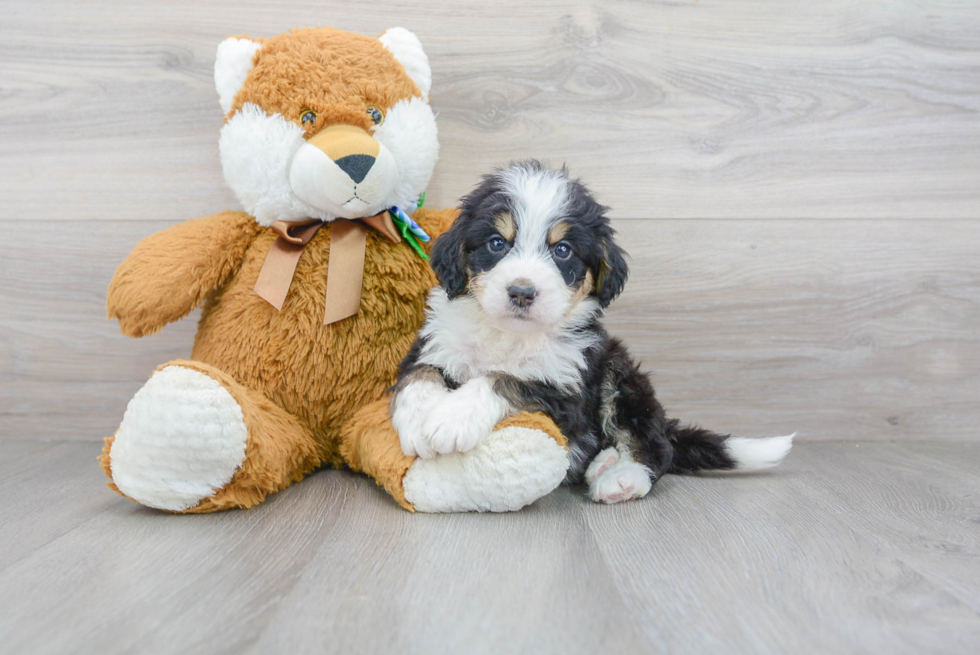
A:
[504,223]
[581,293]
[557,233]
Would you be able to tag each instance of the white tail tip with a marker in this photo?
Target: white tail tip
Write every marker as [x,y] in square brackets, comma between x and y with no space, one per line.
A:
[758,454]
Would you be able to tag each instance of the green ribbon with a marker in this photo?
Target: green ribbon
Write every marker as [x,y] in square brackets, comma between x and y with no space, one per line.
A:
[411,231]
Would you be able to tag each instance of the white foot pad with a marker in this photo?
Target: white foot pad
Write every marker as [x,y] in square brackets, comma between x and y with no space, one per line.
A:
[509,469]
[624,480]
[182,438]
[602,463]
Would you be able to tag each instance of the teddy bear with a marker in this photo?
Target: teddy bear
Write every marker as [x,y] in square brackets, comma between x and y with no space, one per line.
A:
[311,295]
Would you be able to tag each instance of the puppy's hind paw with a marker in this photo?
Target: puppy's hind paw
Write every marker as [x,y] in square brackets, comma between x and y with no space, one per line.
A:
[623,481]
[602,462]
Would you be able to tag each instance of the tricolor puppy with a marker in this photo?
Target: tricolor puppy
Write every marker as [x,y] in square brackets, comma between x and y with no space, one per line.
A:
[525,274]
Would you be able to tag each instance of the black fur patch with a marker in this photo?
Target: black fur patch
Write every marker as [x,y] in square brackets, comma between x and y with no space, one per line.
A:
[614,404]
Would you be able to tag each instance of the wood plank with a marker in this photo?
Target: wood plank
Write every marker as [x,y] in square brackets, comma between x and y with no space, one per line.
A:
[519,583]
[820,556]
[838,330]
[850,547]
[118,580]
[835,329]
[52,313]
[47,493]
[14,451]
[701,109]
[943,467]
[333,560]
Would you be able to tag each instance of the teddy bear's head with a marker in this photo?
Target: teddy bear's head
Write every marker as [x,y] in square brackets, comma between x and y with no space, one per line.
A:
[325,124]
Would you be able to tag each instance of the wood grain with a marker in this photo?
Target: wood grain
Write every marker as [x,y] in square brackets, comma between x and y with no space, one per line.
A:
[700,109]
[835,329]
[836,542]
[848,548]
[469,583]
[67,498]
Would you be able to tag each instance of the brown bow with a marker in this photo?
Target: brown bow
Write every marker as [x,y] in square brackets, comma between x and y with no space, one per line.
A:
[345,271]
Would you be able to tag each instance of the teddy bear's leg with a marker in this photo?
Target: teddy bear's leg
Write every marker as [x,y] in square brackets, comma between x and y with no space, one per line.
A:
[194,440]
[523,459]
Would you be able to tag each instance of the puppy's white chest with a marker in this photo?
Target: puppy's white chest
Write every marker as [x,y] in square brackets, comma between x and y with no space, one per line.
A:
[461,342]
[526,359]
[541,358]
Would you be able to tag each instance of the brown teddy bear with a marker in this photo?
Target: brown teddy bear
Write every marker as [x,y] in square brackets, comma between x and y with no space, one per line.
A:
[311,296]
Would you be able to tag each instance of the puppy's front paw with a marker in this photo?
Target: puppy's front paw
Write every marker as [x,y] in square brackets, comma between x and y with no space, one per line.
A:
[408,412]
[602,463]
[450,428]
[622,481]
[408,424]
[464,417]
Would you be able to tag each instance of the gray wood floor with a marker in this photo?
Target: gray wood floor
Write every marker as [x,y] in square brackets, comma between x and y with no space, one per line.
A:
[851,547]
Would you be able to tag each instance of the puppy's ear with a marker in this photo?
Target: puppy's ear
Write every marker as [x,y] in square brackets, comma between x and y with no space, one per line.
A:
[449,260]
[613,270]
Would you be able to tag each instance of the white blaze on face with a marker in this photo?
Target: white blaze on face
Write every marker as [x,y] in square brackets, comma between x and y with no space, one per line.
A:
[540,200]
[552,297]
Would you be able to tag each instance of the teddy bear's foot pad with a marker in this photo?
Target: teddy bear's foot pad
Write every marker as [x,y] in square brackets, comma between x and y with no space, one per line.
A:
[182,438]
[511,468]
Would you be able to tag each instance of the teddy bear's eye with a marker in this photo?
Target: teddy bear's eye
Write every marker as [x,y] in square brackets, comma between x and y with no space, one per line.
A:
[308,118]
[376,115]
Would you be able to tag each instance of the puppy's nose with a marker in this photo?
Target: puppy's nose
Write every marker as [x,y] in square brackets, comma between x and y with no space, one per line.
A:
[521,295]
[357,166]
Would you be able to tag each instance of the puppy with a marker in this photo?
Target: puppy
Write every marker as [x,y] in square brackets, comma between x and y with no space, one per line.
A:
[525,273]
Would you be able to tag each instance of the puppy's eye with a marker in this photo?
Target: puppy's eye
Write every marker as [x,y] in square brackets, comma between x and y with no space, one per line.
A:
[496,244]
[376,115]
[308,118]
[562,250]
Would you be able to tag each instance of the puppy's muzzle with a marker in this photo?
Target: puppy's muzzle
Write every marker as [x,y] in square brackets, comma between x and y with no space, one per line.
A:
[521,294]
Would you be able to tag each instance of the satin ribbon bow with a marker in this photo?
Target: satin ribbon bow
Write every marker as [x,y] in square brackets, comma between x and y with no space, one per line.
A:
[345,271]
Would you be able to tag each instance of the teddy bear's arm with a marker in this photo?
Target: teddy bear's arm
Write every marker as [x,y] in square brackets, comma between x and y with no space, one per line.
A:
[435,221]
[170,273]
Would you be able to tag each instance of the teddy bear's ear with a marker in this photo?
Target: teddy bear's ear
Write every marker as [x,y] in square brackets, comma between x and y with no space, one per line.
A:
[231,65]
[408,51]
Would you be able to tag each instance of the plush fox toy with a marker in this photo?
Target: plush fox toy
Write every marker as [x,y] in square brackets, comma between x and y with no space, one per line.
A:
[312,295]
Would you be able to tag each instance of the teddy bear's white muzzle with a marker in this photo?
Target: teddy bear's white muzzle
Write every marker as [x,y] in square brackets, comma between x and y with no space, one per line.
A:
[353,186]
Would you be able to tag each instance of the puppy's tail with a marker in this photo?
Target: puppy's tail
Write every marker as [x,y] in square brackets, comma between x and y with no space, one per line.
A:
[696,449]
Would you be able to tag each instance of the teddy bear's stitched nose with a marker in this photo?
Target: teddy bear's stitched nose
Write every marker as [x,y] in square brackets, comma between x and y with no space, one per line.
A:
[357,166]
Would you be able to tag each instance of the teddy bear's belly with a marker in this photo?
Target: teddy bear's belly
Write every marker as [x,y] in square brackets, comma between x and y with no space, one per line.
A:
[320,373]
